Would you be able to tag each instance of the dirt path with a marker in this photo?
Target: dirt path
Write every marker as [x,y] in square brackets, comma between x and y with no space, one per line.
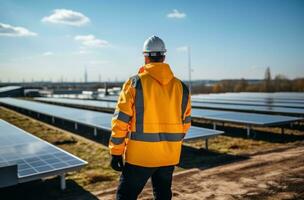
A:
[276,175]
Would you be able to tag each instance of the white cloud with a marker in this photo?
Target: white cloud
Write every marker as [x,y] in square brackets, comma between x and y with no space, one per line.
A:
[68,17]
[182,48]
[48,53]
[176,14]
[91,41]
[14,31]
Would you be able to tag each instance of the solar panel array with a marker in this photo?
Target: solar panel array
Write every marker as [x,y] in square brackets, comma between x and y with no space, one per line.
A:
[87,117]
[289,103]
[252,101]
[216,115]
[243,118]
[257,96]
[33,156]
[94,103]
[244,102]
[91,118]
[251,108]
[268,104]
[9,88]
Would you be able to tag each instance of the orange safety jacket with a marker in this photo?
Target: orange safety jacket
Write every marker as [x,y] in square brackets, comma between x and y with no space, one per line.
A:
[151,118]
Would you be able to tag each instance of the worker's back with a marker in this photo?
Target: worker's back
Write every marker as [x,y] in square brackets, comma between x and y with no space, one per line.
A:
[157,126]
[150,121]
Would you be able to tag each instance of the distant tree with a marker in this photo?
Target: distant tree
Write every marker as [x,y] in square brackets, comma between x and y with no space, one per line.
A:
[281,83]
[267,74]
[267,86]
[227,85]
[241,86]
[298,85]
[200,89]
[253,88]
[217,88]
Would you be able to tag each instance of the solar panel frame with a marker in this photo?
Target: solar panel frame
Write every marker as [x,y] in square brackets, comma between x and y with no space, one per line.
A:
[27,162]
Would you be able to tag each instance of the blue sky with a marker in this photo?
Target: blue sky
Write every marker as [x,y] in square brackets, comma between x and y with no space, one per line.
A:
[228,38]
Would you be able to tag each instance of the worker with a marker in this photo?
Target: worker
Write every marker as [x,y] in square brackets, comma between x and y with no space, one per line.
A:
[150,121]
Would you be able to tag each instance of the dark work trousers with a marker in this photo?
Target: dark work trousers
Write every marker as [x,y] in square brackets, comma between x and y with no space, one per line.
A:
[134,178]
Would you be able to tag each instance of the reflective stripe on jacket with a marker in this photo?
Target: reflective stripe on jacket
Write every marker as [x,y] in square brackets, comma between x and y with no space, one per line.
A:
[152,116]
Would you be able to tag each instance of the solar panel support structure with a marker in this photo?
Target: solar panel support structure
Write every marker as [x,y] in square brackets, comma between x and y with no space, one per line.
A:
[248,130]
[8,175]
[76,126]
[214,125]
[95,132]
[62,182]
[206,144]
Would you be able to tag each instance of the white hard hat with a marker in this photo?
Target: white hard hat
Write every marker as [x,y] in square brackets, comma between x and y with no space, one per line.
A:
[154,46]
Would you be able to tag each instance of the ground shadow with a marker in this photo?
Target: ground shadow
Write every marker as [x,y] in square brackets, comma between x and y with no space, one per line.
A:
[46,190]
[203,159]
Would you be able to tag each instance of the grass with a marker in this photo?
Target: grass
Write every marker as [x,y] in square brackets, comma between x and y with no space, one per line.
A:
[97,175]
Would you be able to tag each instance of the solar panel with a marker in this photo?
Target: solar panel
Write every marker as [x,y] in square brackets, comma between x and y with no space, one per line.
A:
[247,119]
[98,104]
[248,103]
[273,110]
[202,133]
[298,96]
[243,118]
[9,88]
[202,104]
[34,157]
[90,118]
[216,115]
[87,117]
[247,99]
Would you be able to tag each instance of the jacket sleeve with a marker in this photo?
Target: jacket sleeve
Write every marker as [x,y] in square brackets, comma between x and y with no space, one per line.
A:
[121,119]
[187,115]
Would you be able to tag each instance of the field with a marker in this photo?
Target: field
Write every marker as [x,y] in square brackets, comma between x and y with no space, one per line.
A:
[231,151]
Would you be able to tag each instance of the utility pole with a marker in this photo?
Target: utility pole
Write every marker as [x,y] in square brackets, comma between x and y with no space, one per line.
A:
[189,66]
[85,75]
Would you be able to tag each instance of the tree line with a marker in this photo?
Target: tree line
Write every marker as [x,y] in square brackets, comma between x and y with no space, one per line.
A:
[279,83]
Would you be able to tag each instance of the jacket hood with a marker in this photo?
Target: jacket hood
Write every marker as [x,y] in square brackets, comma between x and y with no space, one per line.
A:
[159,71]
